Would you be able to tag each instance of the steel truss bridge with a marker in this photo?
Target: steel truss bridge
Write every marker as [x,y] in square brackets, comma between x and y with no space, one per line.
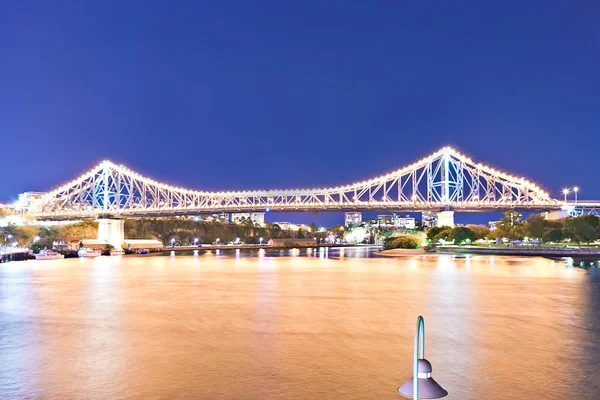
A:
[444,180]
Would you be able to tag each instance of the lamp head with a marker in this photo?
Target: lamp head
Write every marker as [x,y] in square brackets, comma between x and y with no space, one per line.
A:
[428,387]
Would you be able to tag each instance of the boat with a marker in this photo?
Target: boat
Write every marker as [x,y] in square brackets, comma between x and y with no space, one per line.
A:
[85,252]
[117,252]
[48,255]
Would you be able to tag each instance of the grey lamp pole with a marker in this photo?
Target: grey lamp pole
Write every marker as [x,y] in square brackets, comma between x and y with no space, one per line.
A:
[420,347]
[421,371]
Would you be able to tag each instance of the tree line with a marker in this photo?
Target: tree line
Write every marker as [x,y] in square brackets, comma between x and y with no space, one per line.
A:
[581,229]
[179,231]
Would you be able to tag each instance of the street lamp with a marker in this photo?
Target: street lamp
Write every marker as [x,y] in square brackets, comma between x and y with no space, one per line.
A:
[260,240]
[430,389]
[173,242]
[36,239]
[195,241]
[565,192]
[576,189]
[237,240]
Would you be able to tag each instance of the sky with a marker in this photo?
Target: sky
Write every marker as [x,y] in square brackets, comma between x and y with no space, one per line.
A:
[287,94]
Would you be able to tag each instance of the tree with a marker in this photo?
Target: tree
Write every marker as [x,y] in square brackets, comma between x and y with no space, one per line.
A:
[4,212]
[480,231]
[553,235]
[535,226]
[592,220]
[579,230]
[511,226]
[24,235]
[401,242]
[461,234]
[313,227]
[436,231]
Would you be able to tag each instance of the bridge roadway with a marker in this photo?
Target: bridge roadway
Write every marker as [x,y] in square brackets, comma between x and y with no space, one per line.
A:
[366,207]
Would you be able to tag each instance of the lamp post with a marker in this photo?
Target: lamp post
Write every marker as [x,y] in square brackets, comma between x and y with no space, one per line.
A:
[576,189]
[565,192]
[421,371]
[260,240]
[172,242]
[195,241]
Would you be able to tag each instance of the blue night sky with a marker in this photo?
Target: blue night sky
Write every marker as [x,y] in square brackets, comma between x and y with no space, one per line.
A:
[265,94]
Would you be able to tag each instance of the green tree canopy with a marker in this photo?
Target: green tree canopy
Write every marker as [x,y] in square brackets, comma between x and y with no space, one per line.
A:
[435,231]
[480,231]
[535,226]
[401,242]
[553,235]
[579,230]
[461,234]
[511,226]
[592,220]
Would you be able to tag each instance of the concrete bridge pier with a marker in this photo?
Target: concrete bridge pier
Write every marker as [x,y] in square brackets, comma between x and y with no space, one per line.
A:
[112,231]
[445,218]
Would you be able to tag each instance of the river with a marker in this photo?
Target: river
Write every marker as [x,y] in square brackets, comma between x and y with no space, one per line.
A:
[296,324]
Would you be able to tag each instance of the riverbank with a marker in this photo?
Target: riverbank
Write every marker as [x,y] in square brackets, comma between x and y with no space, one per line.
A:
[401,252]
[258,247]
[522,251]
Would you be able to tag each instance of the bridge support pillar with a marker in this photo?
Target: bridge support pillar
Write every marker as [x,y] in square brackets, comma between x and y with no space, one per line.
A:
[112,231]
[445,218]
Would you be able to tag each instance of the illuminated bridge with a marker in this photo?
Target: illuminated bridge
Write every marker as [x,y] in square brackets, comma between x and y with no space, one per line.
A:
[443,181]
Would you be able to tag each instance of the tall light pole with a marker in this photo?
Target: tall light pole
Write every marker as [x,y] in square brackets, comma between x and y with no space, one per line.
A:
[421,371]
[576,189]
[565,192]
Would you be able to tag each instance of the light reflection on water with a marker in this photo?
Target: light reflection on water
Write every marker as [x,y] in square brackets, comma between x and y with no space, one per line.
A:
[304,324]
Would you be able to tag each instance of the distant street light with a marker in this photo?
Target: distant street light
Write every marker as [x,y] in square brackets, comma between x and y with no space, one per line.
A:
[421,371]
[565,192]
[195,241]
[576,189]
[36,239]
[173,242]
[260,240]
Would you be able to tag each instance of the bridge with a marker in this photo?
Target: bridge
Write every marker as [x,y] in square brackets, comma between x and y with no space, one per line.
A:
[444,182]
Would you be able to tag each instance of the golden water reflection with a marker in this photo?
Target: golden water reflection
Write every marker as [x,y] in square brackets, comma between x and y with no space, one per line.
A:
[315,324]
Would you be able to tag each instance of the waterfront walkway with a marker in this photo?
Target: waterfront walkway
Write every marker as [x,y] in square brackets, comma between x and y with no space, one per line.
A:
[523,251]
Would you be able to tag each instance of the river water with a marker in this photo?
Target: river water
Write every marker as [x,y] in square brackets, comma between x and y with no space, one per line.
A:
[296,325]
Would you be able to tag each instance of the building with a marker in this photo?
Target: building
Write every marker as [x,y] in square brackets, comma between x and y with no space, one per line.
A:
[353,218]
[385,220]
[429,219]
[492,225]
[257,218]
[407,222]
[555,215]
